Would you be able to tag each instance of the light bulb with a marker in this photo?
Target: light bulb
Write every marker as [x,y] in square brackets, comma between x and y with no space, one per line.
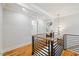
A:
[23,9]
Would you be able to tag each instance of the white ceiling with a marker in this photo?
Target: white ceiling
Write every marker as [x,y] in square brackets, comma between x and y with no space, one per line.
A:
[30,9]
[64,9]
[49,9]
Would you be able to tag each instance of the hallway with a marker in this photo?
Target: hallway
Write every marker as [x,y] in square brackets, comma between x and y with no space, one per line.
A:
[39,29]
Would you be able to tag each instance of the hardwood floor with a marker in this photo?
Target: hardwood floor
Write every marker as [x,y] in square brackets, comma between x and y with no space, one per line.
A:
[68,53]
[27,51]
[22,51]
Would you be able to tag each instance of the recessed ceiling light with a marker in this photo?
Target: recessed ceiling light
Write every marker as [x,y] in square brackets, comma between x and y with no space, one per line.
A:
[23,9]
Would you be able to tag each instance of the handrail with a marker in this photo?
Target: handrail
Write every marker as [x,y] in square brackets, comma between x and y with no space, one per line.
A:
[72,47]
[47,39]
[65,41]
[45,34]
[72,34]
[40,34]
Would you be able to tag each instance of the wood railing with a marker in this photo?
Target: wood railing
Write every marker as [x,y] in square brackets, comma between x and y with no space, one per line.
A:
[41,46]
[46,47]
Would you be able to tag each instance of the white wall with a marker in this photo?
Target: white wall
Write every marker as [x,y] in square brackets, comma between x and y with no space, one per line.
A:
[71,24]
[1,28]
[40,28]
[68,24]
[16,30]
[34,25]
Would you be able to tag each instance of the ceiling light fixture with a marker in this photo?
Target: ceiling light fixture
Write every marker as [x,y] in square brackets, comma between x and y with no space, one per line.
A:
[23,9]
